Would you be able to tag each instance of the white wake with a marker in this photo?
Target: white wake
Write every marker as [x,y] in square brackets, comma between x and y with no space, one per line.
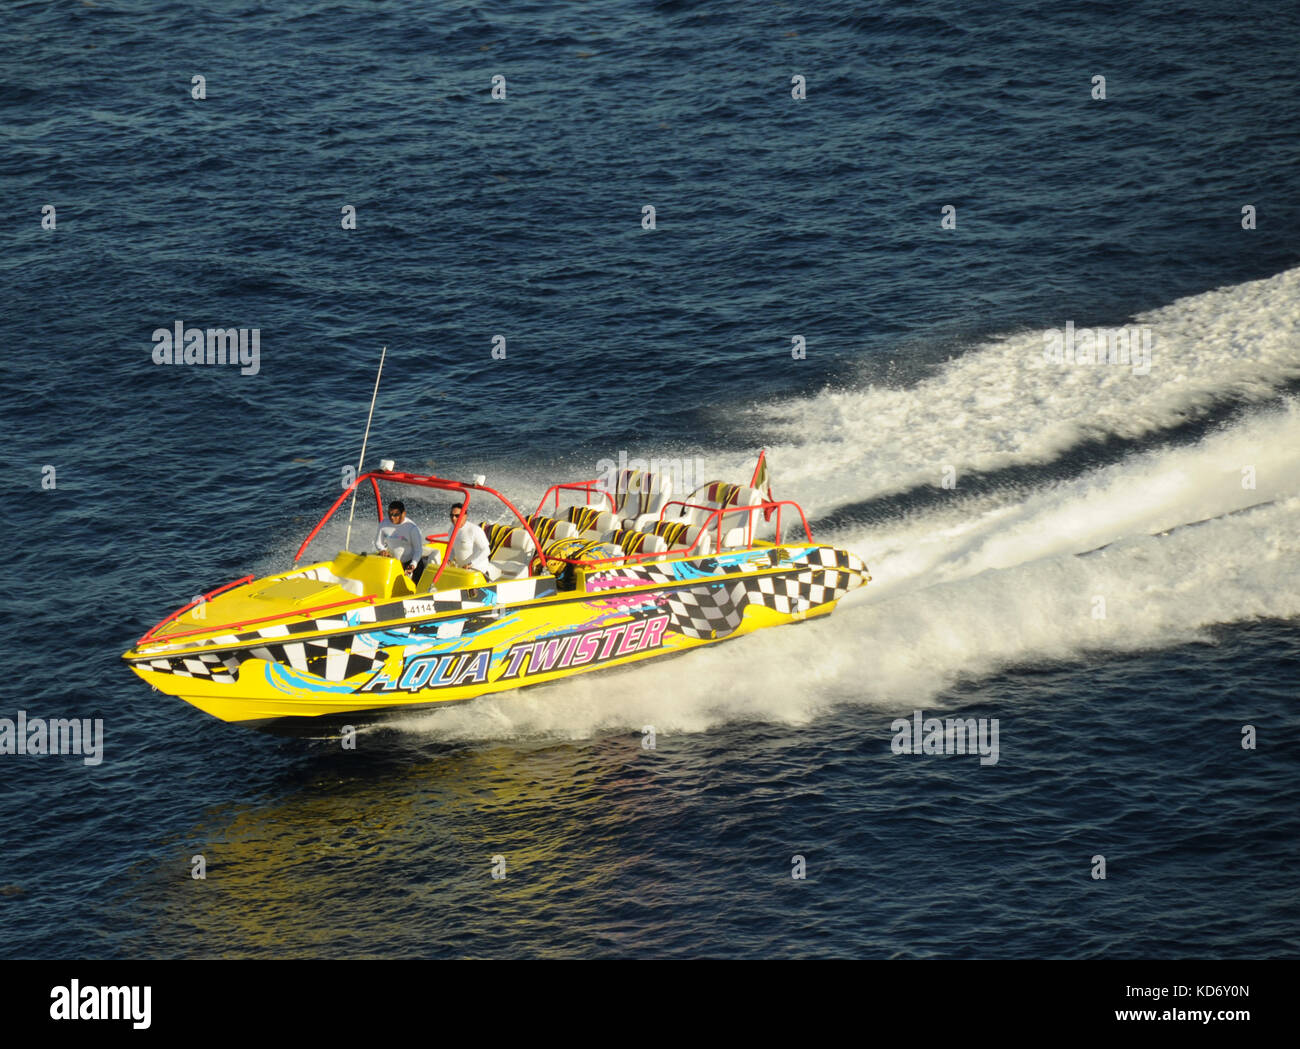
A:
[975,584]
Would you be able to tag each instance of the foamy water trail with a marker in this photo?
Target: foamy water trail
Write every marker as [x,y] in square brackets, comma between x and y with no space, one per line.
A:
[975,585]
[1002,404]
[1143,495]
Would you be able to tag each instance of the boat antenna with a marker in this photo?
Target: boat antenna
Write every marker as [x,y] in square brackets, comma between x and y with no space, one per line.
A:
[347,542]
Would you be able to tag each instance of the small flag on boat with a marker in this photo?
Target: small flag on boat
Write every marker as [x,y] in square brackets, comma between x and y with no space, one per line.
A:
[763,482]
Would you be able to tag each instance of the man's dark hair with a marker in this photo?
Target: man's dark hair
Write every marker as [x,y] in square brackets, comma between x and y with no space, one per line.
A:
[456,508]
[397,505]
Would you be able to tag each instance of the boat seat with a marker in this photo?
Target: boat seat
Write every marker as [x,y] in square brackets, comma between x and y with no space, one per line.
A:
[679,535]
[639,495]
[591,521]
[510,548]
[635,542]
[371,574]
[736,528]
[433,559]
[548,529]
[452,578]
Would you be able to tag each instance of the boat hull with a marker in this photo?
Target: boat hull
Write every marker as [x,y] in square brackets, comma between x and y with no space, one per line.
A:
[317,676]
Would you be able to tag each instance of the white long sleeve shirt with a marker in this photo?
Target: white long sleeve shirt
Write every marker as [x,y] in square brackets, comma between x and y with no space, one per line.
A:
[471,548]
[403,541]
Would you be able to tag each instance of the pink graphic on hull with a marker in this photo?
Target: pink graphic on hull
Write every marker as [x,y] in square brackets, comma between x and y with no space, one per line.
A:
[609,583]
[620,605]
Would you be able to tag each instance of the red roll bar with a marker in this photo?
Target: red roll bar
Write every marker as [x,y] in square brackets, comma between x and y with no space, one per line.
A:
[463,488]
[379,509]
[575,486]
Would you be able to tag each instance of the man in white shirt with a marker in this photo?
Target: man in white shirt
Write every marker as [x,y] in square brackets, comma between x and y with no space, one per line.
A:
[471,548]
[401,539]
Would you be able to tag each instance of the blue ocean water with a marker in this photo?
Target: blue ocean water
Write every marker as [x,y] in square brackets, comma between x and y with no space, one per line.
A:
[775,217]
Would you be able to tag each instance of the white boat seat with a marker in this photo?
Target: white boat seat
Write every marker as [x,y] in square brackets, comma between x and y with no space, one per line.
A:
[548,529]
[592,522]
[737,528]
[679,535]
[639,495]
[509,548]
[634,542]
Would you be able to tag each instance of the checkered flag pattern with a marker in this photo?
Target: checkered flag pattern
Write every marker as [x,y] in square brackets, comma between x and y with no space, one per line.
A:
[334,658]
[209,665]
[706,612]
[835,576]
[715,611]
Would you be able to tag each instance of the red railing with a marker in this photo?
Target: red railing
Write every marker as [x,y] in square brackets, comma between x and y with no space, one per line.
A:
[368,599]
[717,513]
[185,608]
[721,513]
[438,484]
[586,487]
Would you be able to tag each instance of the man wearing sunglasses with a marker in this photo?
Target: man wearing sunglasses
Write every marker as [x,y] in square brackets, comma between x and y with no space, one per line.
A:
[471,548]
[401,539]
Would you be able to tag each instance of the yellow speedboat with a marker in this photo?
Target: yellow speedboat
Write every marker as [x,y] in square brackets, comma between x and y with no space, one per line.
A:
[614,578]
